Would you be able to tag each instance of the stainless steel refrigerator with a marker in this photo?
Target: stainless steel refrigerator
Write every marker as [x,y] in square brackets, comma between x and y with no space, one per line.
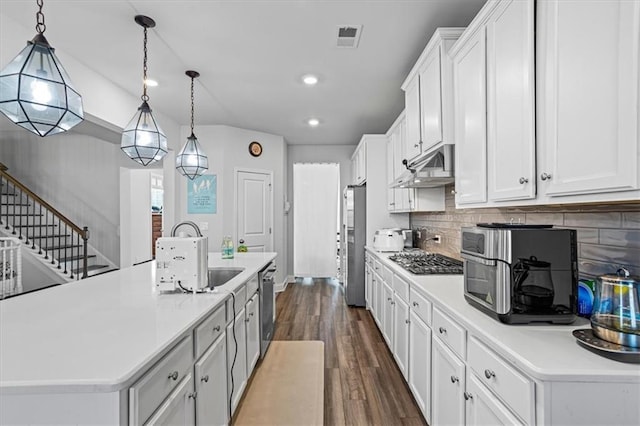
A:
[354,227]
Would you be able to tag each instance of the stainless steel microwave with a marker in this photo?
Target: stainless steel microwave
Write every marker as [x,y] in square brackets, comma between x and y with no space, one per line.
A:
[521,273]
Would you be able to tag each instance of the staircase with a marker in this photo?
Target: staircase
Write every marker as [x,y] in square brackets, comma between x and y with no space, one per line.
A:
[45,232]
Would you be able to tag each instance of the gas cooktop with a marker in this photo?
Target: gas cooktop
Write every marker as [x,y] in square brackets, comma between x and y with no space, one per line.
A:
[422,263]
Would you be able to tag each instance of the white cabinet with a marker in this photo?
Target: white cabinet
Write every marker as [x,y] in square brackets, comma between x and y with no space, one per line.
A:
[391,202]
[378,304]
[493,72]
[448,390]
[428,92]
[401,334]
[419,378]
[588,90]
[387,314]
[252,320]
[236,362]
[482,408]
[359,164]
[368,288]
[510,102]
[470,120]
[211,385]
[178,408]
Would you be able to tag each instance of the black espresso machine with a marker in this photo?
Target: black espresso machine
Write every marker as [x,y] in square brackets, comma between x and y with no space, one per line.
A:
[521,273]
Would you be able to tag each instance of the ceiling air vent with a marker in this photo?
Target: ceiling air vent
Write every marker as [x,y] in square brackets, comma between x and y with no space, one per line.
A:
[349,35]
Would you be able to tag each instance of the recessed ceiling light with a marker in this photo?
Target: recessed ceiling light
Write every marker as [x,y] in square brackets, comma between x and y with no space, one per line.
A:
[310,80]
[313,122]
[151,83]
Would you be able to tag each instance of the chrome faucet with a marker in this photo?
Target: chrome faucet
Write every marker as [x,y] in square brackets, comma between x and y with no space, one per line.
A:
[186,222]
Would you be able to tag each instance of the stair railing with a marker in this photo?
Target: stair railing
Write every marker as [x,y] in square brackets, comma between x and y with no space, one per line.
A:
[43,228]
[10,267]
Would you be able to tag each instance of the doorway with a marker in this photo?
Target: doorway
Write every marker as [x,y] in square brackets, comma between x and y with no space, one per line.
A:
[254,209]
[316,198]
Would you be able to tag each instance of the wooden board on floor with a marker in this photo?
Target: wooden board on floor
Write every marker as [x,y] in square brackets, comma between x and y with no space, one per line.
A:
[288,387]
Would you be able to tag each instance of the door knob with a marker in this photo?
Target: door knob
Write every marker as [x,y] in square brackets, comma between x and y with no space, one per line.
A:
[467,396]
[489,374]
[545,176]
[173,376]
[454,379]
[205,379]
[523,180]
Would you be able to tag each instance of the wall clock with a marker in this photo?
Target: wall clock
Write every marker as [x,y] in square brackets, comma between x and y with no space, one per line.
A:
[255,149]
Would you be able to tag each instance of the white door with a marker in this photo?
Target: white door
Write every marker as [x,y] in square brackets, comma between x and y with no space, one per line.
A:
[254,211]
[448,386]
[211,385]
[431,101]
[482,408]
[401,334]
[420,364]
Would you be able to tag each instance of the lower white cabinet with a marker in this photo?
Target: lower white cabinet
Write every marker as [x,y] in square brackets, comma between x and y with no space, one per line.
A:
[376,283]
[419,378]
[387,314]
[401,334]
[482,408]
[368,288]
[236,362]
[252,320]
[178,408]
[448,389]
[211,385]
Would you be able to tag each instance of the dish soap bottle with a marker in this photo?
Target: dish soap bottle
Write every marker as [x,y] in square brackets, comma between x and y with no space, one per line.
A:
[241,247]
[227,248]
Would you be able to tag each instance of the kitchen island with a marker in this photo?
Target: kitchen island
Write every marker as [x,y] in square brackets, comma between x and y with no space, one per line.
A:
[69,354]
[465,367]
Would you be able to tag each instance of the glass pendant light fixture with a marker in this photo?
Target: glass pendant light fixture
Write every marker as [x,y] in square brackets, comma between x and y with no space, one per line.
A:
[192,161]
[36,92]
[143,140]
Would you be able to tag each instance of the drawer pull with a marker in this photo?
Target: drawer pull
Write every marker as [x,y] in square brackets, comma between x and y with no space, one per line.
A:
[247,320]
[388,299]
[454,379]
[251,314]
[442,330]
[393,303]
[205,379]
[407,321]
[545,176]
[489,374]
[216,328]
[523,180]
[173,376]
[467,396]
[193,395]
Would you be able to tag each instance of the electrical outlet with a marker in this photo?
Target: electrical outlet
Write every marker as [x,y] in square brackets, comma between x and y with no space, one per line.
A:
[419,234]
[437,239]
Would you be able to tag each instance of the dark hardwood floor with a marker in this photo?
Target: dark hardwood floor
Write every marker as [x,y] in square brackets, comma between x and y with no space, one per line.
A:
[362,384]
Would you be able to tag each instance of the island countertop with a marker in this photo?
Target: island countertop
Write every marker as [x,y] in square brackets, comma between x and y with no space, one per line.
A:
[95,335]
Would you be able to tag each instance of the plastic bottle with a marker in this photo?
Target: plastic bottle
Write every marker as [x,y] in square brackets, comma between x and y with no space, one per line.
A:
[227,248]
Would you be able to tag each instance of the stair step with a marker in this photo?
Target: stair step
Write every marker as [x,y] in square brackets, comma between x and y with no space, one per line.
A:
[61,248]
[69,259]
[94,270]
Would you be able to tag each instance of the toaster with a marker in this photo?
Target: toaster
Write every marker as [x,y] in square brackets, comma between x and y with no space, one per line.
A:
[388,240]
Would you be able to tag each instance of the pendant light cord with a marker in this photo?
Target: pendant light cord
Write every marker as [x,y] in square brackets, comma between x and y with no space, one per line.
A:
[145,97]
[192,105]
[40,26]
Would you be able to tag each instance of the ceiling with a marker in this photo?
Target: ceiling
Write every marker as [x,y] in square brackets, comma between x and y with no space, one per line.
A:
[251,55]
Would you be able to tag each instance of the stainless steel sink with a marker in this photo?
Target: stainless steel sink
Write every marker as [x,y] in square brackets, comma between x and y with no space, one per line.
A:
[220,275]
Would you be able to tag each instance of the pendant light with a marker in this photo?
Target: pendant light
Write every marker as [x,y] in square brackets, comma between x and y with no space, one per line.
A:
[192,161]
[36,92]
[143,140]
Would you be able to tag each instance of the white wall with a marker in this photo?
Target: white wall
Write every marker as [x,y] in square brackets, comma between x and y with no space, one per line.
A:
[227,148]
[340,154]
[135,214]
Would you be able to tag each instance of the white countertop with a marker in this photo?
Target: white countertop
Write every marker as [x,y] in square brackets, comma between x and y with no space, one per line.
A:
[543,351]
[96,334]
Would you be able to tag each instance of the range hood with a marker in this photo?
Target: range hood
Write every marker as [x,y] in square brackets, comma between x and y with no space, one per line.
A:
[429,170]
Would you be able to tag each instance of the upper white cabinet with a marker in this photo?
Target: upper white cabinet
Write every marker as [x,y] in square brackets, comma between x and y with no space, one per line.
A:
[359,164]
[493,72]
[556,121]
[428,93]
[588,89]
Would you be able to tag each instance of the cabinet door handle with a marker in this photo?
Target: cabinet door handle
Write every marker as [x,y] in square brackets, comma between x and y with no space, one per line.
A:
[417,145]
[407,321]
[454,379]
[393,303]
[216,328]
[467,396]
[545,176]
[173,376]
[388,299]
[251,314]
[523,180]
[442,330]
[489,374]
[415,304]
[205,379]
[247,320]
[193,395]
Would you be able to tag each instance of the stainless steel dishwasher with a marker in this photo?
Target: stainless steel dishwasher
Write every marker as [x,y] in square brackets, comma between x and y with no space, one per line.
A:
[267,279]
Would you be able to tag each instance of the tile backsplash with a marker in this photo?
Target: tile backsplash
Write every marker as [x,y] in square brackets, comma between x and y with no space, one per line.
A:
[608,234]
